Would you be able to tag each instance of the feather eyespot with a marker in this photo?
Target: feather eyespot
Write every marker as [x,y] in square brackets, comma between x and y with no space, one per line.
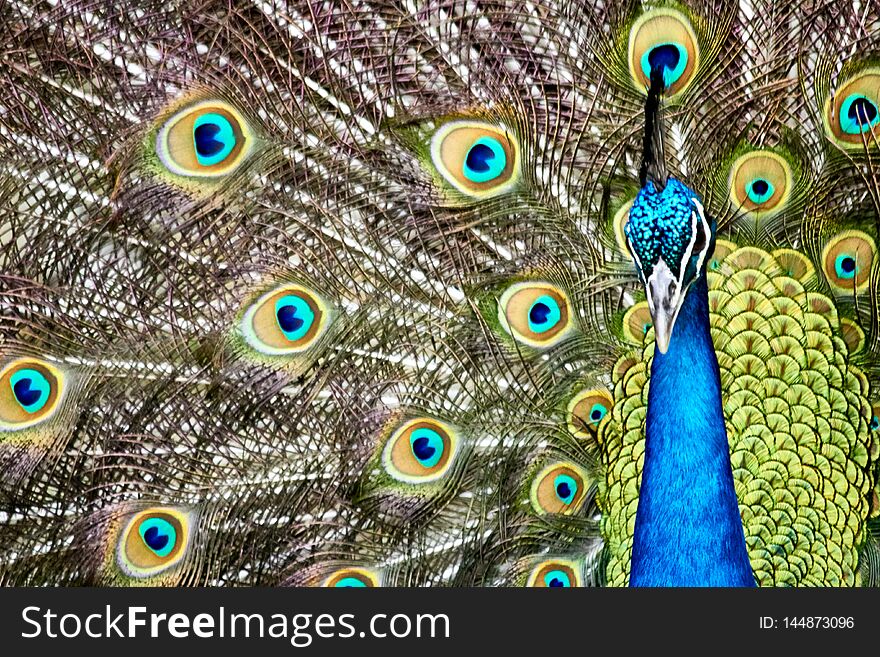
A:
[847,260]
[559,488]
[286,320]
[586,410]
[153,541]
[536,314]
[30,391]
[205,140]
[663,38]
[554,573]
[619,224]
[637,321]
[420,451]
[477,158]
[760,183]
[852,113]
[352,578]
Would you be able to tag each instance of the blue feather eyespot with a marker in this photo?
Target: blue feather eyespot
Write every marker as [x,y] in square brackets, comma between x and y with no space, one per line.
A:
[875,423]
[586,410]
[637,322]
[858,114]
[420,451]
[852,112]
[566,488]
[287,320]
[559,489]
[153,541]
[760,183]
[557,579]
[352,578]
[485,161]
[663,39]
[427,446]
[213,138]
[30,391]
[847,260]
[476,158]
[535,313]
[208,139]
[555,573]
[158,535]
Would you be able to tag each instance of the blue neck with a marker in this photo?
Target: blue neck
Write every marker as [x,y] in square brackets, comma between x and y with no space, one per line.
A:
[688,529]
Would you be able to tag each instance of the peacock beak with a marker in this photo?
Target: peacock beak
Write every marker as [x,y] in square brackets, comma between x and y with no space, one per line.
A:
[664,301]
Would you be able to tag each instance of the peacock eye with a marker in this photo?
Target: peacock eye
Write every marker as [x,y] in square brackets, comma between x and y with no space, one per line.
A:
[847,260]
[29,393]
[852,112]
[875,423]
[586,410]
[760,182]
[558,488]
[554,574]
[477,158]
[663,38]
[557,579]
[352,578]
[420,451]
[284,321]
[637,322]
[208,139]
[153,541]
[536,314]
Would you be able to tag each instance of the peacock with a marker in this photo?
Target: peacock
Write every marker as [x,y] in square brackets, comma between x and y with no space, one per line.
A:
[439,293]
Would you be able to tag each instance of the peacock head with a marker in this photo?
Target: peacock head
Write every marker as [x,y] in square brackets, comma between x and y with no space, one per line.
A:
[670,241]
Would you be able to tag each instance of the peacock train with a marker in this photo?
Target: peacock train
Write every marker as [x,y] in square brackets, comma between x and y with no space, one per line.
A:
[439,293]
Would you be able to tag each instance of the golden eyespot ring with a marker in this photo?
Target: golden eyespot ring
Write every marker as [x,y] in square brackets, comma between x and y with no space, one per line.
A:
[287,320]
[637,321]
[559,488]
[663,37]
[153,541]
[477,158]
[760,183]
[621,217]
[352,578]
[586,410]
[420,451]
[555,573]
[205,140]
[847,260]
[535,313]
[853,111]
[30,392]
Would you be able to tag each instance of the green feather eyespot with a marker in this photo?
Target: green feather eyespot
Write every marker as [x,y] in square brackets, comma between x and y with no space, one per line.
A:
[760,183]
[637,322]
[559,488]
[286,320]
[30,391]
[663,37]
[153,541]
[420,451]
[586,410]
[536,314]
[208,139]
[478,159]
[352,578]
[555,573]
[853,111]
[847,261]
